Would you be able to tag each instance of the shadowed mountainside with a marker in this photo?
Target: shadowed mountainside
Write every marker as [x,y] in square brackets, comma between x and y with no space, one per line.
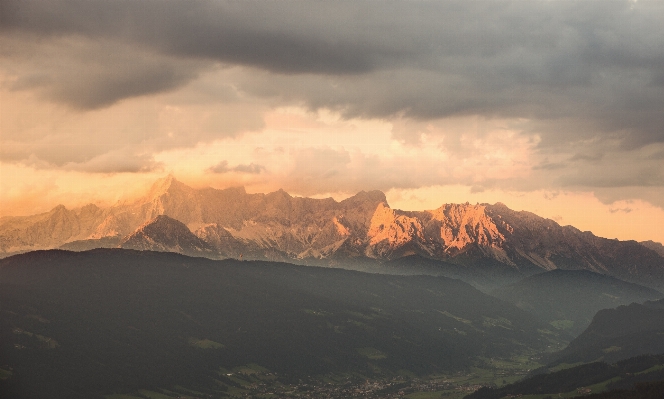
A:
[84,324]
[568,299]
[616,334]
[640,377]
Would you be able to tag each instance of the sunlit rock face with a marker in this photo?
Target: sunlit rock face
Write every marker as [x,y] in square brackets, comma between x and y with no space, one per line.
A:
[389,231]
[278,226]
[441,233]
[49,229]
[463,224]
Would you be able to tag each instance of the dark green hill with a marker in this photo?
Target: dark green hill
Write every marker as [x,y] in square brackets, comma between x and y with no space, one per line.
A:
[631,377]
[643,390]
[619,333]
[86,245]
[484,274]
[85,324]
[568,299]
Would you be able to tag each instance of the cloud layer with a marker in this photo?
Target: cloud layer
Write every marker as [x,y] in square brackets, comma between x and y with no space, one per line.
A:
[428,59]
[582,85]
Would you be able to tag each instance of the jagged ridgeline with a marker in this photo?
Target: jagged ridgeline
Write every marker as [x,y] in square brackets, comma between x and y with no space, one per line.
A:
[468,241]
[88,324]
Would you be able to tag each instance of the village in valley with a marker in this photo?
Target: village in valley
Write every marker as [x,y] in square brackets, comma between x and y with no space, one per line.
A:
[253,381]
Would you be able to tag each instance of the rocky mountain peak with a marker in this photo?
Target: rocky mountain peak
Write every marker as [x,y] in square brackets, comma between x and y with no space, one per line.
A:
[58,208]
[167,185]
[392,228]
[161,220]
[230,191]
[655,246]
[463,224]
[372,198]
[278,197]
[165,234]
[90,208]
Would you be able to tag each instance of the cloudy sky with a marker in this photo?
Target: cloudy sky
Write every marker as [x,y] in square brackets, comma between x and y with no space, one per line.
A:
[555,107]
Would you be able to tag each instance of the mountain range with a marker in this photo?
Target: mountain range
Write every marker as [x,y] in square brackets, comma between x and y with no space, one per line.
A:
[360,230]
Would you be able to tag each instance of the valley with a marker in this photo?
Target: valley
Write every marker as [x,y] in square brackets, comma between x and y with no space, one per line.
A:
[119,324]
[124,320]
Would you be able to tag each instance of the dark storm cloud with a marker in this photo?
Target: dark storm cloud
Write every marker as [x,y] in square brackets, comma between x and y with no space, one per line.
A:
[124,161]
[607,176]
[587,157]
[290,36]
[546,165]
[251,168]
[576,70]
[623,210]
[135,78]
[222,167]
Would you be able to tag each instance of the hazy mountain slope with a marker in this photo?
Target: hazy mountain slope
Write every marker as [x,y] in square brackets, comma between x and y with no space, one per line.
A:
[86,245]
[531,239]
[278,226]
[619,333]
[484,274]
[655,246]
[50,229]
[277,221]
[90,323]
[569,299]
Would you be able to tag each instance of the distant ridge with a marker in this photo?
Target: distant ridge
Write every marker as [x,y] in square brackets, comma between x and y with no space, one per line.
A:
[655,246]
[362,229]
[569,299]
[166,234]
[620,333]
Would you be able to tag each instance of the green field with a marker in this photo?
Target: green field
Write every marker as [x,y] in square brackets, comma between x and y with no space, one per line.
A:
[371,353]
[205,344]
[4,374]
[153,395]
[562,324]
